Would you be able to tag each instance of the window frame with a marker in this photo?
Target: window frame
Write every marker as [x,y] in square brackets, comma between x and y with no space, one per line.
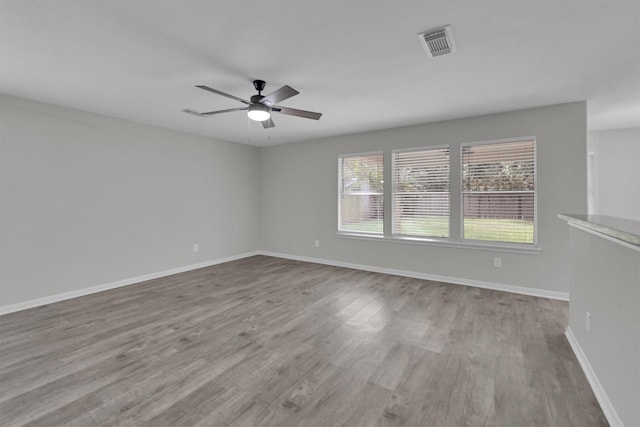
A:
[375,235]
[418,237]
[456,204]
[498,243]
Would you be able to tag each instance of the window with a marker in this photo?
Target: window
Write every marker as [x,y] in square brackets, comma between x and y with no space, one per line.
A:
[360,189]
[498,191]
[421,192]
[494,206]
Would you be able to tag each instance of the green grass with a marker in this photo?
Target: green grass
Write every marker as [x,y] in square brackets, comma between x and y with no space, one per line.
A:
[436,226]
[488,229]
[369,226]
[500,230]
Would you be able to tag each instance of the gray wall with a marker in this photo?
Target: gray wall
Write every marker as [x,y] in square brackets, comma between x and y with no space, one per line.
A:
[298,188]
[605,282]
[615,176]
[87,200]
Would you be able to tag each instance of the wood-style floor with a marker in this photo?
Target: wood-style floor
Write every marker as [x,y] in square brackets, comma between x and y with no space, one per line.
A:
[270,342]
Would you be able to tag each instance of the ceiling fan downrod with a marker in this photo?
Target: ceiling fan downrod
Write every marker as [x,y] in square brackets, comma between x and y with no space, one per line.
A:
[259,85]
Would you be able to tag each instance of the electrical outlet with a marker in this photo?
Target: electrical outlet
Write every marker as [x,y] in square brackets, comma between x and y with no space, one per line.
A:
[317,243]
[196,247]
[587,321]
[497,262]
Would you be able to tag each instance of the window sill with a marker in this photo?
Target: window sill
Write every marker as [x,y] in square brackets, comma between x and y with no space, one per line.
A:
[533,250]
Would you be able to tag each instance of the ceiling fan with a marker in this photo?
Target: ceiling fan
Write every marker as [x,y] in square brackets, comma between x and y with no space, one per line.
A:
[260,107]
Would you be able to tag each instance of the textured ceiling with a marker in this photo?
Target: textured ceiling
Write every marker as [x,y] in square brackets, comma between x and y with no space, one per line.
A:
[358,62]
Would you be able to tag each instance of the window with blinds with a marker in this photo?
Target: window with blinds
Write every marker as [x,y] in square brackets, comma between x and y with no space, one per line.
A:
[360,189]
[420,192]
[499,191]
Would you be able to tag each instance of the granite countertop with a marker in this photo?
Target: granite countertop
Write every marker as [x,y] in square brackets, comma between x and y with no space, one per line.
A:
[627,230]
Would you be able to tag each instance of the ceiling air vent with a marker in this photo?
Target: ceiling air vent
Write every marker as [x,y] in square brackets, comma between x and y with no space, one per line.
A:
[438,41]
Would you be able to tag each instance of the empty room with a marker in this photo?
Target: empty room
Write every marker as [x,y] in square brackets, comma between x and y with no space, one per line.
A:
[339,213]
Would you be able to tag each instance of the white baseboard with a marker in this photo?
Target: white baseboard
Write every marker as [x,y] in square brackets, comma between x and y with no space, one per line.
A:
[606,405]
[125,282]
[564,296]
[117,284]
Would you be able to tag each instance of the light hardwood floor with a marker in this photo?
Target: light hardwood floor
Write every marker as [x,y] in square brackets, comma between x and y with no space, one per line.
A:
[270,342]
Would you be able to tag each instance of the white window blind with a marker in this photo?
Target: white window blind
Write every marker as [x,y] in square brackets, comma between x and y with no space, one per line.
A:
[360,188]
[421,192]
[499,195]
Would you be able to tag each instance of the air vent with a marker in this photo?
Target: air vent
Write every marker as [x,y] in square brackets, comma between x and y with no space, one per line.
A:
[438,42]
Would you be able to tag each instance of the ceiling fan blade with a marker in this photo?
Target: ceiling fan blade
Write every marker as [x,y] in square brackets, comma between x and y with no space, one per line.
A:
[268,123]
[223,94]
[188,111]
[281,94]
[210,113]
[296,112]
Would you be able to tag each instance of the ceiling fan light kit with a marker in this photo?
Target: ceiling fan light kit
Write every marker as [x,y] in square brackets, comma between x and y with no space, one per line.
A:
[260,107]
[258,112]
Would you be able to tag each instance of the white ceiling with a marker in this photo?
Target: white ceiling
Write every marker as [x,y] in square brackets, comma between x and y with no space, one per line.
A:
[357,61]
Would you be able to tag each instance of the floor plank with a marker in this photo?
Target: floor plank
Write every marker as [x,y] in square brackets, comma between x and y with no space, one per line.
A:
[265,341]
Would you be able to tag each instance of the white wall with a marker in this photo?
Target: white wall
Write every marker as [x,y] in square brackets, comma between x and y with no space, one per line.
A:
[87,199]
[298,187]
[616,175]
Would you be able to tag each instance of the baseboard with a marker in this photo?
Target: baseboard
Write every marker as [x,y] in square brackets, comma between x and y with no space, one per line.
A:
[564,296]
[606,405]
[130,281]
[117,284]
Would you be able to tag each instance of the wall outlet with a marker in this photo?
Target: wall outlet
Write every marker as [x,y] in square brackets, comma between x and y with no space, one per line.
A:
[587,321]
[497,262]
[196,247]
[317,243]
